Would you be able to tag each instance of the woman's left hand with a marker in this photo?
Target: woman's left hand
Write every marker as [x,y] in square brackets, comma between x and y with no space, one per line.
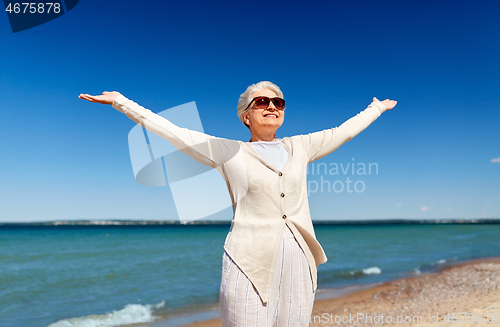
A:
[389,104]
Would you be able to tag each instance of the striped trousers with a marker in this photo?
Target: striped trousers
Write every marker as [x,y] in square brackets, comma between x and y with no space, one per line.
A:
[291,298]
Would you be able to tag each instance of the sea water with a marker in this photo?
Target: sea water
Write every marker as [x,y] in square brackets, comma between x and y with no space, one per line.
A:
[111,276]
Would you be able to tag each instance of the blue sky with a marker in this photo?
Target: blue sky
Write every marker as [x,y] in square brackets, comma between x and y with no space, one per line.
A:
[66,158]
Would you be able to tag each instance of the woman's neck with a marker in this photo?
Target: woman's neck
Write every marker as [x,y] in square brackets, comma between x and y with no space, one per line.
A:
[263,137]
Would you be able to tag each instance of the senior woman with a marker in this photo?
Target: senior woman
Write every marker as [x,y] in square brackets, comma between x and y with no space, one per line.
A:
[271,255]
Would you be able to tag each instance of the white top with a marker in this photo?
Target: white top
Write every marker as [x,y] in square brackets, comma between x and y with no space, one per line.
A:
[273,152]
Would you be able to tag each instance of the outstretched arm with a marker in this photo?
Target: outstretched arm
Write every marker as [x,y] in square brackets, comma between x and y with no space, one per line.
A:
[206,149]
[322,143]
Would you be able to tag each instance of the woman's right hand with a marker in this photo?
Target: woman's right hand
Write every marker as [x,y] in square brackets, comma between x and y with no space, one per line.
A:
[105,98]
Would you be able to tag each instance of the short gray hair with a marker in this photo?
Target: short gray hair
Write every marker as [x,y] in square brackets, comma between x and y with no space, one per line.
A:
[245,98]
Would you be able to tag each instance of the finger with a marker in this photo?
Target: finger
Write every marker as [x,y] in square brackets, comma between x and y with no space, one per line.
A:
[84,96]
[90,98]
[391,104]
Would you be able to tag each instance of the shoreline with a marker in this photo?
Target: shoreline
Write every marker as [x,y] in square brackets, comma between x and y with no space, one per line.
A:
[471,286]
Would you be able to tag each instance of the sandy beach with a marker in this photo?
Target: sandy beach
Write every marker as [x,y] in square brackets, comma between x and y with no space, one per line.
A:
[464,294]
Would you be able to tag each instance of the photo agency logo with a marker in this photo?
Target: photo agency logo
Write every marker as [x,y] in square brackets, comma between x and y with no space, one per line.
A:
[25,15]
[339,177]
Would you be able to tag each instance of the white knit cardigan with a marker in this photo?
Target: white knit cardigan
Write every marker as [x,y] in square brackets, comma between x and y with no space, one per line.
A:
[264,197]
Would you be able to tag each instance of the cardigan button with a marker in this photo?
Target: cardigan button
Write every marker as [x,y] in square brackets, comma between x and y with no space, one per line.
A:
[284,217]
[282,195]
[280,173]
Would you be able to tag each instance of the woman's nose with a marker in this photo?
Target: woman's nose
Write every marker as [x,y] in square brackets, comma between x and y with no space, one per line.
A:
[271,106]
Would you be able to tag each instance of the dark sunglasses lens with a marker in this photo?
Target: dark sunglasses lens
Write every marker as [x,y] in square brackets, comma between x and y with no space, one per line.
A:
[261,103]
[279,103]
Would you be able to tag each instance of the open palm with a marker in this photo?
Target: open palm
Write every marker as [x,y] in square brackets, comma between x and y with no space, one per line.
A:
[389,104]
[105,98]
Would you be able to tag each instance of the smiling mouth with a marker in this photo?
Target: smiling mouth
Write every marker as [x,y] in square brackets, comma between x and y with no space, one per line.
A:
[271,115]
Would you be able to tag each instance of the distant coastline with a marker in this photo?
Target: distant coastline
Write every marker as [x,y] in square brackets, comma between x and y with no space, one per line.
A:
[171,223]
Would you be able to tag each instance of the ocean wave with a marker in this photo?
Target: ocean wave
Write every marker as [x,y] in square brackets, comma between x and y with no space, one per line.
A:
[372,271]
[432,266]
[367,271]
[130,314]
[439,262]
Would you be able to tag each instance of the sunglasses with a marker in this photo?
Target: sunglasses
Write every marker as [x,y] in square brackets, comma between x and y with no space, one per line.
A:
[263,103]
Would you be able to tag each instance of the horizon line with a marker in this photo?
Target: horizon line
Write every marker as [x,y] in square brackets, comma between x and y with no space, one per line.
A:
[130,222]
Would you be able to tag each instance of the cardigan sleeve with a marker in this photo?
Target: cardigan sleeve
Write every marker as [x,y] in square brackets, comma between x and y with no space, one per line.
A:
[322,143]
[206,149]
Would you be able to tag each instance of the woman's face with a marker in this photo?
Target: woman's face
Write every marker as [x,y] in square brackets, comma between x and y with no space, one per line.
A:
[270,118]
